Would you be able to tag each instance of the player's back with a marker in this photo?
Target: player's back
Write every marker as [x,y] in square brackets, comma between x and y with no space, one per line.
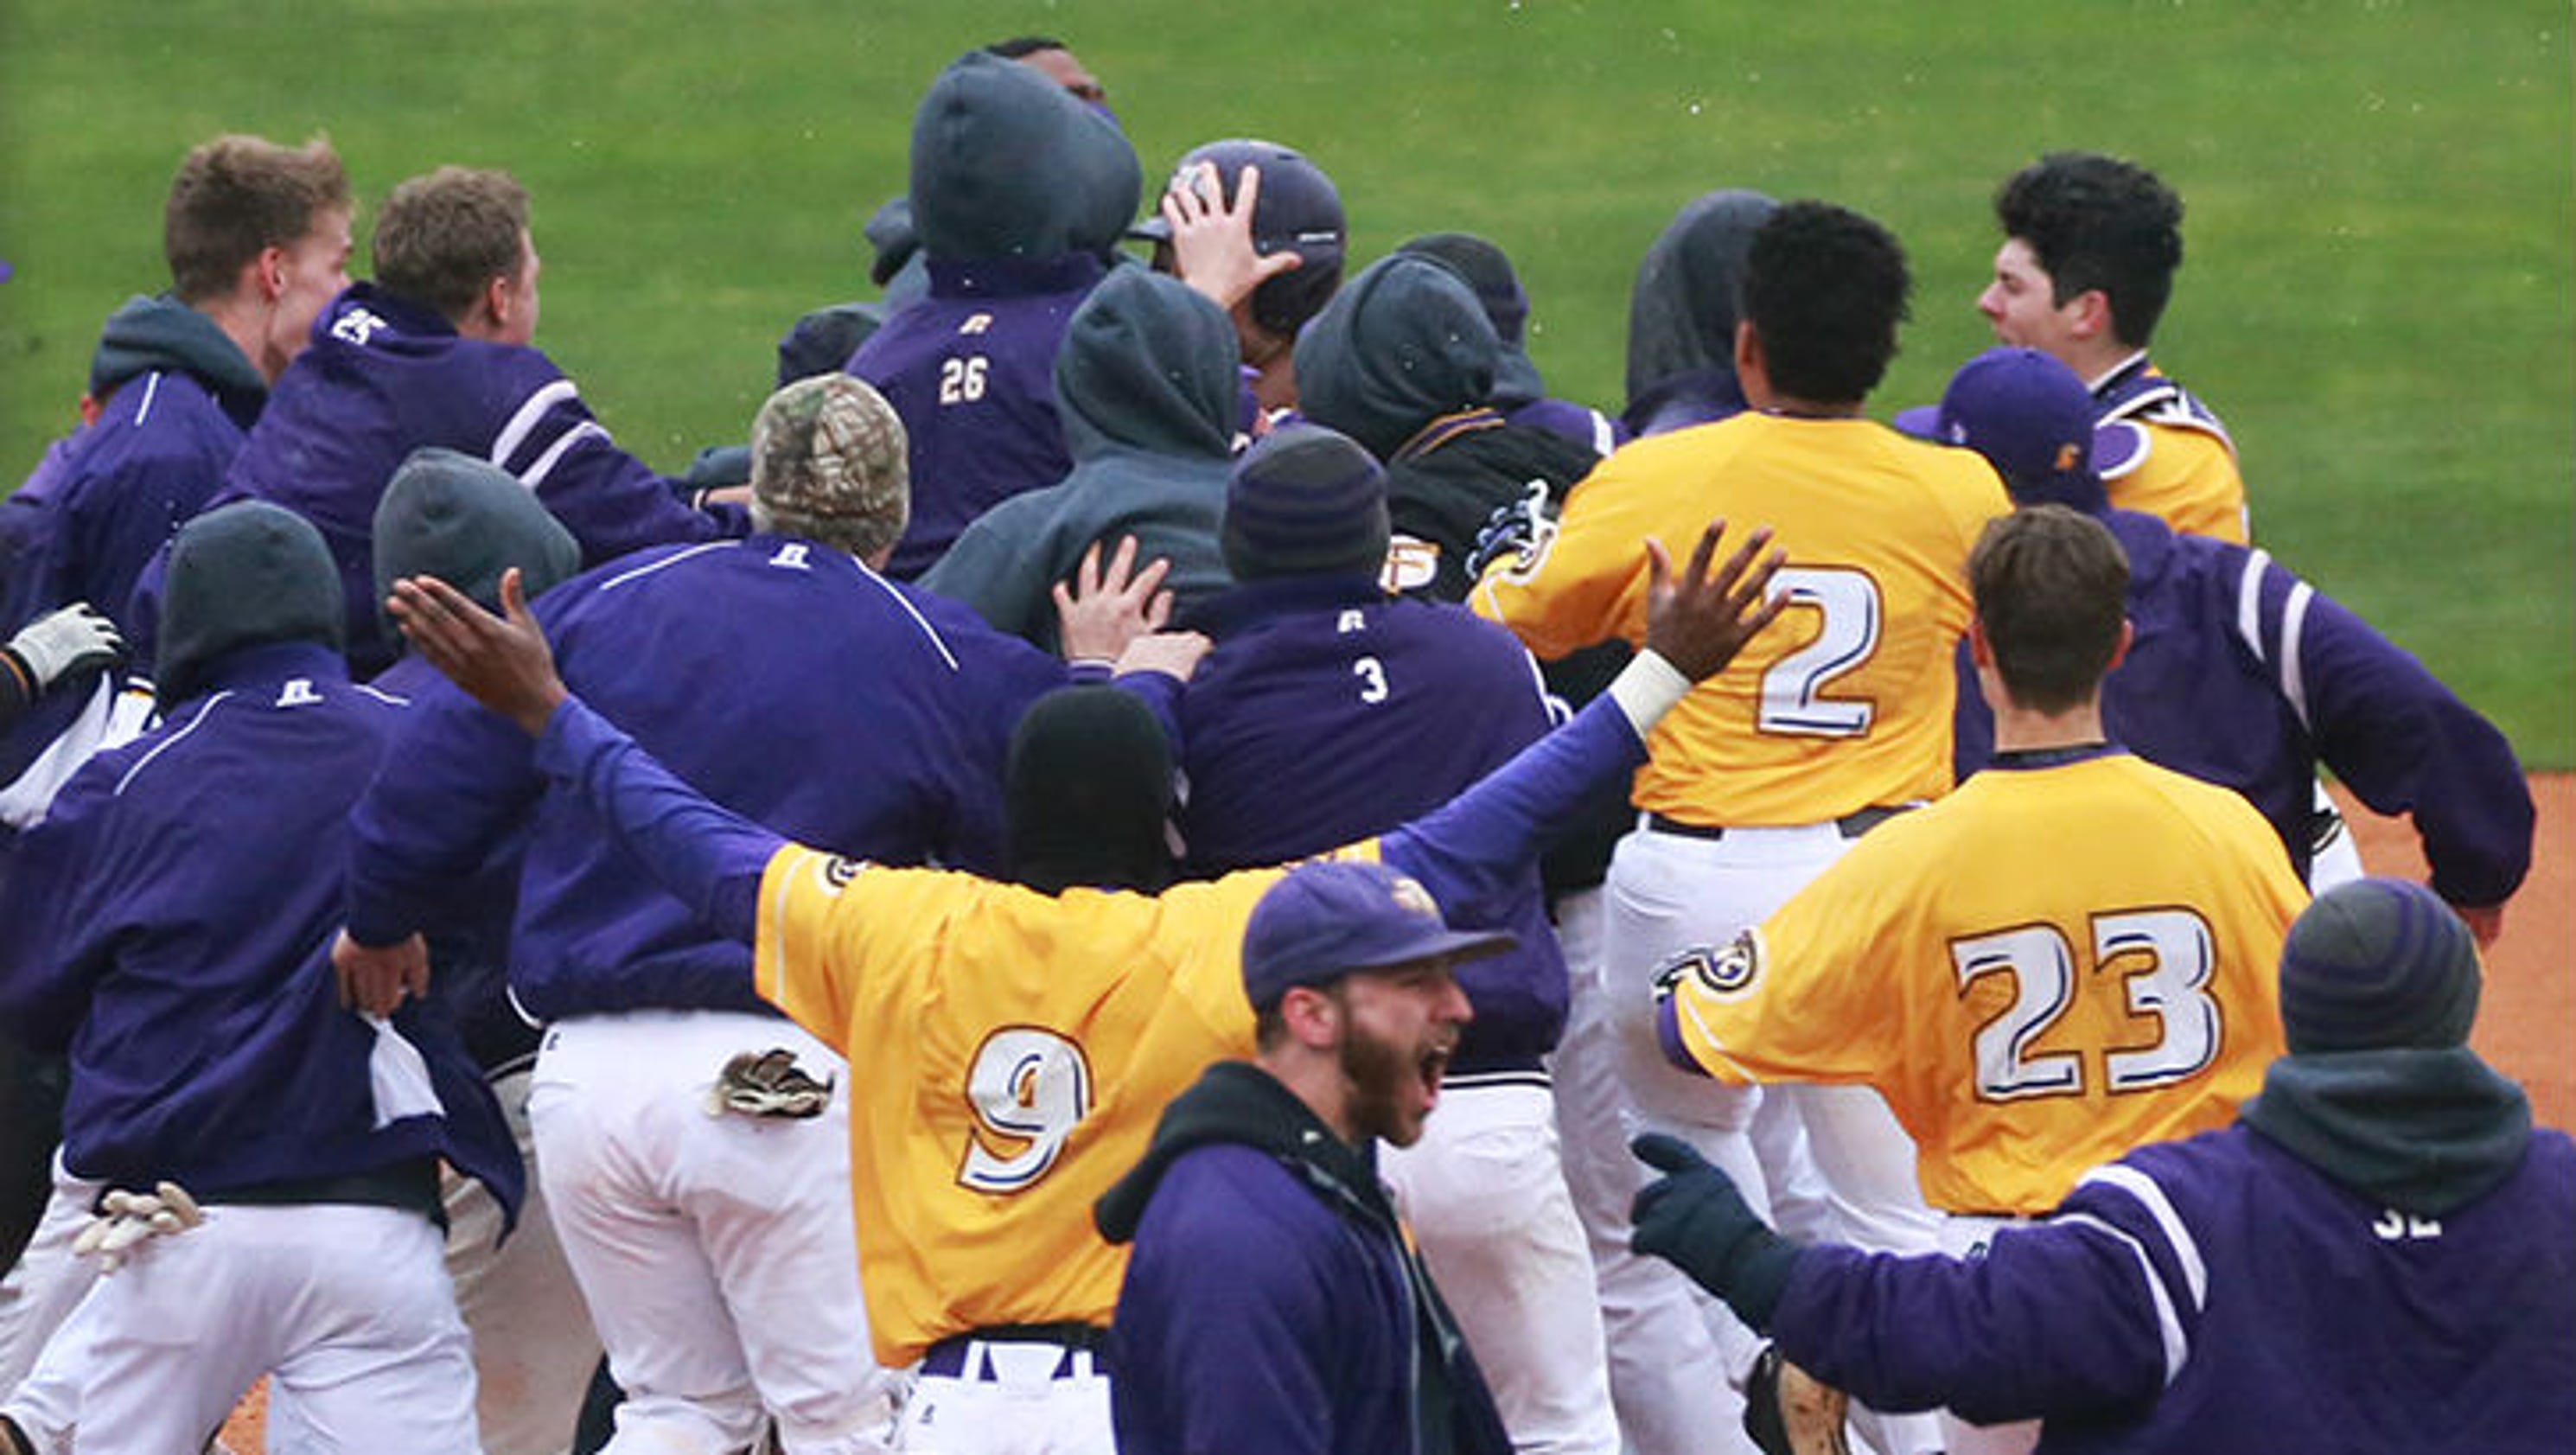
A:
[1843,704]
[1017,1053]
[2092,967]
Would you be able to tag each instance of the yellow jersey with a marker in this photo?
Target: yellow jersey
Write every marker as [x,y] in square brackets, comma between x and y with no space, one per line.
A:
[1842,704]
[2045,969]
[1009,1055]
[2186,477]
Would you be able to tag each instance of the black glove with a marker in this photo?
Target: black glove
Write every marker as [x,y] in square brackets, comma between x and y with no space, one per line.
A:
[1515,531]
[1693,1218]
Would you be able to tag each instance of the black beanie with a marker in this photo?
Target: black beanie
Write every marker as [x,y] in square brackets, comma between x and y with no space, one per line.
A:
[1305,501]
[2378,964]
[1089,790]
[251,574]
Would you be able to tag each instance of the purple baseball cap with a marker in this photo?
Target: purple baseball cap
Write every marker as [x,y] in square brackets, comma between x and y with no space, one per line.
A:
[1299,211]
[2033,421]
[1326,920]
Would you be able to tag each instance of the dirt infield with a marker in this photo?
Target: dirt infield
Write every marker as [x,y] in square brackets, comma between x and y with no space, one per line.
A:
[2527,1019]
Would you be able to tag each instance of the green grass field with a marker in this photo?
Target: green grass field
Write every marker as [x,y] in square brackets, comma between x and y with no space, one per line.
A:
[2378,296]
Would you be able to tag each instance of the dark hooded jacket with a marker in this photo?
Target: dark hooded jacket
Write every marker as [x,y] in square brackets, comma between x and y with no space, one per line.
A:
[171,920]
[1145,384]
[177,399]
[1319,1291]
[1402,360]
[1519,392]
[1018,193]
[1682,315]
[465,522]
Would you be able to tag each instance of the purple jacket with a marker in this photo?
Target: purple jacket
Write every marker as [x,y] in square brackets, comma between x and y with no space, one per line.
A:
[784,679]
[1329,711]
[384,377]
[2245,676]
[970,369]
[2219,1295]
[171,923]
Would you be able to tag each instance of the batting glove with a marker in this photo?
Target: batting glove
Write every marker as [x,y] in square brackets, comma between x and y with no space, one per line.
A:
[1693,1218]
[767,1084]
[126,1219]
[1517,531]
[62,642]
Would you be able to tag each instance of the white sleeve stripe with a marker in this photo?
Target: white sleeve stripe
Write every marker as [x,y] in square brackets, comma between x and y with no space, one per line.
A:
[535,475]
[2249,602]
[2139,1185]
[918,619]
[664,564]
[2177,1344]
[2294,620]
[172,741]
[1605,435]
[524,423]
[151,391]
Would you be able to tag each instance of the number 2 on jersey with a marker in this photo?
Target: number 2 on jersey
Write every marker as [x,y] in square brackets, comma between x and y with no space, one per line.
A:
[1027,1087]
[1793,690]
[2164,958]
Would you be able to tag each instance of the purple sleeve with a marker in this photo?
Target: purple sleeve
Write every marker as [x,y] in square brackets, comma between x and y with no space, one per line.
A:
[1473,849]
[456,780]
[53,942]
[2084,1314]
[1972,722]
[2402,741]
[708,857]
[612,502]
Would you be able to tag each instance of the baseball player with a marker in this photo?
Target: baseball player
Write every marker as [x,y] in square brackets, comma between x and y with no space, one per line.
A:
[435,351]
[1772,770]
[736,658]
[167,924]
[1145,383]
[2087,263]
[2069,957]
[1328,710]
[2244,675]
[1404,361]
[1519,392]
[1259,229]
[1017,191]
[2296,1278]
[1024,1042]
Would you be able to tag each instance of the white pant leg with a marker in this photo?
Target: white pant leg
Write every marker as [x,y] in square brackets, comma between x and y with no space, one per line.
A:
[1801,1205]
[1962,1237]
[1485,1192]
[349,1306]
[534,1347]
[716,1253]
[1010,1399]
[41,1385]
[2338,859]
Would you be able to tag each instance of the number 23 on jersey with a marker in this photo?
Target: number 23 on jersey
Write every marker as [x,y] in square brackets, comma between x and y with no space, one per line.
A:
[2162,961]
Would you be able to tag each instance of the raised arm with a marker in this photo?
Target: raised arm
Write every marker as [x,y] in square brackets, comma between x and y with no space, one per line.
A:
[710,857]
[1468,849]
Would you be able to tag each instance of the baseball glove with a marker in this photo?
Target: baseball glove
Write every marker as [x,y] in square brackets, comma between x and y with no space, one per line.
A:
[767,1084]
[1788,1412]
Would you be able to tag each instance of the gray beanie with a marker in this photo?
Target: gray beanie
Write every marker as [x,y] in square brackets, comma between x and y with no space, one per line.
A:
[1305,501]
[2377,964]
[251,574]
[466,521]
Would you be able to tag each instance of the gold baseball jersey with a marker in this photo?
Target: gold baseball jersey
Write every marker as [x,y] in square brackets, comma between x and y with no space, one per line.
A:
[2186,476]
[1009,1055]
[2045,969]
[1844,702]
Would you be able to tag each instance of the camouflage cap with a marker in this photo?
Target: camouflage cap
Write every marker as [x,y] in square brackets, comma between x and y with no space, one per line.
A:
[829,450]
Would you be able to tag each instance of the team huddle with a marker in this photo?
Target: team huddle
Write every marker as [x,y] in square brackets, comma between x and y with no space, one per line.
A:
[1177,856]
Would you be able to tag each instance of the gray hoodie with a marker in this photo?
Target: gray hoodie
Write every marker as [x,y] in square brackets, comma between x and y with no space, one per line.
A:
[1006,165]
[1401,345]
[1146,385]
[1682,316]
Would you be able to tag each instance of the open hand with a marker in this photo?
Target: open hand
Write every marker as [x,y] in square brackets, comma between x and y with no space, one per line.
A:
[1212,247]
[501,661]
[1103,612]
[1699,622]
